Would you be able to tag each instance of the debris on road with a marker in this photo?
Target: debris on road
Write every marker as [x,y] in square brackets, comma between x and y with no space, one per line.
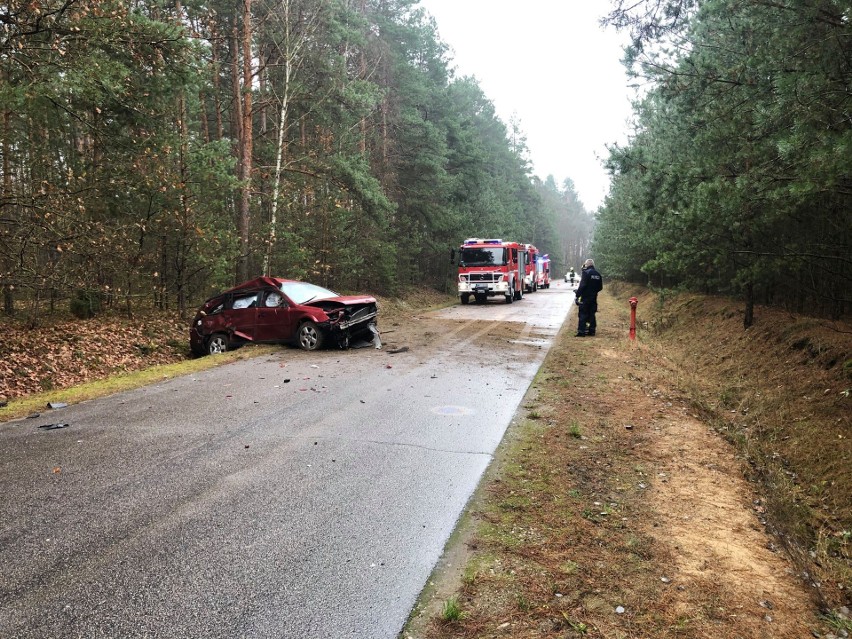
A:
[401,349]
[54,426]
[376,340]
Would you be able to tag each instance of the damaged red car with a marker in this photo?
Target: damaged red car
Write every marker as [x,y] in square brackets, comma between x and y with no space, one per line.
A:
[275,310]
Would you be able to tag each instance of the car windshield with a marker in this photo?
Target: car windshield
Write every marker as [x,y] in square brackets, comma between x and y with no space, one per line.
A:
[482,256]
[302,292]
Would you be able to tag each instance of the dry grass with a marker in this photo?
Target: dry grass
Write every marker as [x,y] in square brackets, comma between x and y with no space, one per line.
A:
[614,509]
[780,392]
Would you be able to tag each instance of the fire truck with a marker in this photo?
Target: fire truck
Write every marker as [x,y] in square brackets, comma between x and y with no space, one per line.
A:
[542,271]
[530,278]
[490,268]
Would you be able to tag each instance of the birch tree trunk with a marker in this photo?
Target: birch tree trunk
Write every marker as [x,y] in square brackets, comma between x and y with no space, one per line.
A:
[290,51]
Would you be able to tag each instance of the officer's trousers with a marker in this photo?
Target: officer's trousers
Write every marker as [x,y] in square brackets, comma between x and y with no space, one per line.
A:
[587,324]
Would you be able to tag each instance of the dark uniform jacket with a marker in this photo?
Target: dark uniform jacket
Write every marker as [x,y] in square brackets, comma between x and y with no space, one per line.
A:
[590,285]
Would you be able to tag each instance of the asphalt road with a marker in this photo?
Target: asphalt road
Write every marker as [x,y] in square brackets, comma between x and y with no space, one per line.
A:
[298,495]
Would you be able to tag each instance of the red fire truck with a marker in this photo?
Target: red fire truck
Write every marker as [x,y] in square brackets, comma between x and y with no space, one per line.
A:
[530,280]
[542,271]
[488,268]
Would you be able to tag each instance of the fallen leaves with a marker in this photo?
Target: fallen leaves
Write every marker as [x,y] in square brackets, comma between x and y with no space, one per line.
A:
[62,353]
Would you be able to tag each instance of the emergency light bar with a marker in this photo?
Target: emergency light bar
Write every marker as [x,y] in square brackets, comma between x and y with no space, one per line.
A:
[476,240]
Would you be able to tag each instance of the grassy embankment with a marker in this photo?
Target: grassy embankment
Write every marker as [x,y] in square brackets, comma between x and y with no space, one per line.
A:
[649,487]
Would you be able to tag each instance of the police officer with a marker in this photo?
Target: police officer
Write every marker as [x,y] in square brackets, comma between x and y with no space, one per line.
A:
[586,297]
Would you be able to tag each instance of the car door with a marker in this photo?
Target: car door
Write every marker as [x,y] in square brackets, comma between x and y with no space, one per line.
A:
[273,318]
[241,317]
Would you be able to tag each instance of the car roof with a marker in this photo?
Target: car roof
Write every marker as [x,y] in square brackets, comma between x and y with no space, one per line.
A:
[258,282]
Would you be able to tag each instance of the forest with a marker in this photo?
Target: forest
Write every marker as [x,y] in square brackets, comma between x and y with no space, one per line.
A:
[738,176]
[154,153]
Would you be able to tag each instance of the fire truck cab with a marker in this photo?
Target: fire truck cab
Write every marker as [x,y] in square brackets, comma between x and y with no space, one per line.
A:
[490,268]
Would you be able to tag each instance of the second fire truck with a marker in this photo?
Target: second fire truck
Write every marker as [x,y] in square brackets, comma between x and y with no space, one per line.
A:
[530,278]
[490,268]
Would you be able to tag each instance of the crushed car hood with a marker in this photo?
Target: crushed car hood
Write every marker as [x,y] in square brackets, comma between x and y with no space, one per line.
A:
[343,300]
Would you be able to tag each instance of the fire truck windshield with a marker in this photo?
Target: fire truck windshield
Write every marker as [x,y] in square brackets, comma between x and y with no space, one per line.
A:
[482,256]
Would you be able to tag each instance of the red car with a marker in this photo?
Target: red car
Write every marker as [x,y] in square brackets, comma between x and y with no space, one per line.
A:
[271,309]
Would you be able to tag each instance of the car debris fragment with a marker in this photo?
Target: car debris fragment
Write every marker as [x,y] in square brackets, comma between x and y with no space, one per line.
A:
[54,426]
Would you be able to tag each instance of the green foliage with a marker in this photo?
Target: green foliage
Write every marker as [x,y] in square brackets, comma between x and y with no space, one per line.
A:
[737,179]
[369,159]
[452,611]
[574,430]
[564,227]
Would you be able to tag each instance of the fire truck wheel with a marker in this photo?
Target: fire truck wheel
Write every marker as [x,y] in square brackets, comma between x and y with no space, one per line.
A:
[465,298]
[519,294]
[310,337]
[510,296]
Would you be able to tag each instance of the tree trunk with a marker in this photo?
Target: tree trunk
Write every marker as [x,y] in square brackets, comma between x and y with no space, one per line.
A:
[217,90]
[8,291]
[262,78]
[237,114]
[205,125]
[362,124]
[246,147]
[279,150]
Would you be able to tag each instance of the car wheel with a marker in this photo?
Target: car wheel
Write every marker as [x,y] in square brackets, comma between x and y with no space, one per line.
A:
[465,298]
[218,343]
[309,336]
[510,295]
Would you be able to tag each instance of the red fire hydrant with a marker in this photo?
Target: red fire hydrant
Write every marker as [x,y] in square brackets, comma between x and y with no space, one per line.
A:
[633,303]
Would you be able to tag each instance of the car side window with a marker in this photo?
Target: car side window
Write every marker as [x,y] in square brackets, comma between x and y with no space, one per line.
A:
[273,299]
[245,301]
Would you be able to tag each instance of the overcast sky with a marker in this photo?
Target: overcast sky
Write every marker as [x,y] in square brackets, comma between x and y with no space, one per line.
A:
[550,63]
